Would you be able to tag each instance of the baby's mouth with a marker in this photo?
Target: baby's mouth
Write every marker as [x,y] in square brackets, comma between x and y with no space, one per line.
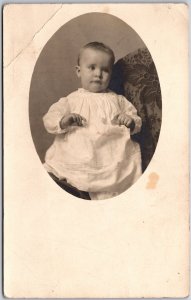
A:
[96,81]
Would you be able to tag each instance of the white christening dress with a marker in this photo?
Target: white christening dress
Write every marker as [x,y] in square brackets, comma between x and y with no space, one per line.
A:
[100,157]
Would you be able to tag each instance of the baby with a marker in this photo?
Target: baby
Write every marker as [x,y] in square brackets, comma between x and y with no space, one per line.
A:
[93,150]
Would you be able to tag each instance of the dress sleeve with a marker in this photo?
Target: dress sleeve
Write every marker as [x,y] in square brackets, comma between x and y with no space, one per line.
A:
[54,115]
[128,108]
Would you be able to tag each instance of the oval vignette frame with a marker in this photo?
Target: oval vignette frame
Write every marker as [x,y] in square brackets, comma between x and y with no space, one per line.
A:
[54,75]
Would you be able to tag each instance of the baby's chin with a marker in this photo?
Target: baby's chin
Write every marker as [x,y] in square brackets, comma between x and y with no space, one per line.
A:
[96,89]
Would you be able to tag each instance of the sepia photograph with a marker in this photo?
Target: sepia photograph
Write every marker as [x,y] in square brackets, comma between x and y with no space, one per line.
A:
[96,107]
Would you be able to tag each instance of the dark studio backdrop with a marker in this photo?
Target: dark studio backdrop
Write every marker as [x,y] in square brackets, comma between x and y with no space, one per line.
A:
[54,73]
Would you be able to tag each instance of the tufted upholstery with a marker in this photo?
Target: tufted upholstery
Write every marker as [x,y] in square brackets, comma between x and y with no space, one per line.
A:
[135,77]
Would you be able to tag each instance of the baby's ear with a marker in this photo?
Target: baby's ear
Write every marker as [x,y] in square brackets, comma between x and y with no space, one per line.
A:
[78,71]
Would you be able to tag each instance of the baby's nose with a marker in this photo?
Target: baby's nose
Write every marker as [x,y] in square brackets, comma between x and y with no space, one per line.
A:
[98,73]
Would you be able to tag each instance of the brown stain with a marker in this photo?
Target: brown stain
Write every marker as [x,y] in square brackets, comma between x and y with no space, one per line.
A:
[106,9]
[153,179]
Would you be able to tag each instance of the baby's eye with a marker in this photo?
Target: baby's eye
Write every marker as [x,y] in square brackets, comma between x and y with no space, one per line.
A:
[92,67]
[106,70]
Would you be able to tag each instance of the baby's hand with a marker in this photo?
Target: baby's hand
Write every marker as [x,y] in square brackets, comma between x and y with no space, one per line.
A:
[72,119]
[123,119]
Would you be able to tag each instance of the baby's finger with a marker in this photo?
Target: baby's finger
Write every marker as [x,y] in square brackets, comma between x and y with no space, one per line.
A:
[83,119]
[121,119]
[115,119]
[74,119]
[79,120]
[84,122]
[127,123]
[120,122]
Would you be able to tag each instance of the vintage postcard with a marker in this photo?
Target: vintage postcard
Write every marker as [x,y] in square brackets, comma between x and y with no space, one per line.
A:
[96,169]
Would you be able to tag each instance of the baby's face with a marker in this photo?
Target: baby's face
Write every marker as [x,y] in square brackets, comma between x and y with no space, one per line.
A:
[94,70]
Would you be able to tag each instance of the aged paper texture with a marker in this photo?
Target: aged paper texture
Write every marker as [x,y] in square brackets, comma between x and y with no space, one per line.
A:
[133,245]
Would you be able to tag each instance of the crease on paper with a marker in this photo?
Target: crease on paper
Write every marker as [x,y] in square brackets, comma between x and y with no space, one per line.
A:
[35,34]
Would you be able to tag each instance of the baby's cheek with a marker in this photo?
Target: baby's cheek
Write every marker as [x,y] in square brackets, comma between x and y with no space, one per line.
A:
[106,77]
